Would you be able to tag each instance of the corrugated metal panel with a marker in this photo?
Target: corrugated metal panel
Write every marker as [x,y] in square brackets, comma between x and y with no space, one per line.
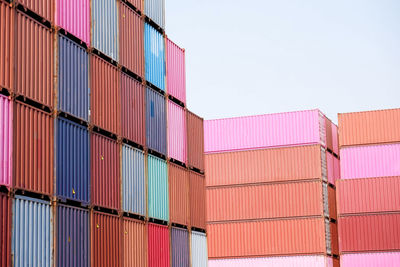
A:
[335,139]
[106,241]
[198,249]
[158,246]
[32,232]
[72,237]
[132,110]
[158,204]
[6,141]
[178,194]
[133,180]
[369,195]
[195,140]
[34,149]
[336,169]
[5,230]
[176,72]
[268,165]
[131,40]
[154,55]
[332,203]
[330,167]
[6,46]
[329,136]
[370,127]
[156,124]
[73,78]
[44,8]
[105,171]
[328,237]
[72,161]
[370,161]
[34,69]
[387,259]
[180,247]
[334,238]
[155,10]
[105,27]
[74,16]
[104,101]
[369,232]
[263,238]
[177,143]
[134,243]
[137,3]
[197,194]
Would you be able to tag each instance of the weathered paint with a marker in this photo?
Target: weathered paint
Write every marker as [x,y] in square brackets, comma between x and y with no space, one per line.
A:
[158,203]
[197,195]
[158,246]
[135,243]
[156,124]
[5,230]
[180,247]
[195,141]
[176,72]
[179,201]
[7,45]
[177,142]
[6,141]
[199,255]
[154,56]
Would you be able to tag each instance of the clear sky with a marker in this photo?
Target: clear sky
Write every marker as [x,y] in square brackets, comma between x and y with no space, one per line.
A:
[265,56]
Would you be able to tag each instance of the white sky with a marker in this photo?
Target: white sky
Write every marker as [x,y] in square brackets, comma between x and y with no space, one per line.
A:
[265,56]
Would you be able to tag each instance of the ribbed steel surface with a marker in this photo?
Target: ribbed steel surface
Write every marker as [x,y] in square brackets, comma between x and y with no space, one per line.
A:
[135,243]
[180,247]
[177,142]
[131,39]
[6,141]
[155,10]
[105,27]
[105,171]
[34,71]
[73,78]
[156,121]
[178,181]
[72,161]
[333,170]
[73,243]
[74,17]
[158,203]
[137,3]
[133,180]
[370,161]
[34,149]
[199,255]
[7,45]
[154,56]
[176,72]
[332,203]
[197,195]
[44,8]
[335,139]
[382,259]
[195,140]
[158,246]
[32,232]
[5,230]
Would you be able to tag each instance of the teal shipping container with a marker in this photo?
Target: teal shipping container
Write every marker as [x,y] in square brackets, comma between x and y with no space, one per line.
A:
[157,188]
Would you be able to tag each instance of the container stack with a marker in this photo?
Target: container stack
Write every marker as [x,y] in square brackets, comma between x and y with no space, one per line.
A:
[270,183]
[369,189]
[101,162]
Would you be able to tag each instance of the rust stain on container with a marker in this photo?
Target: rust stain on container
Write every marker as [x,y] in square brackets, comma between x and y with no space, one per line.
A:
[195,140]
[33,149]
[178,194]
[43,8]
[6,45]
[197,200]
[5,230]
[134,239]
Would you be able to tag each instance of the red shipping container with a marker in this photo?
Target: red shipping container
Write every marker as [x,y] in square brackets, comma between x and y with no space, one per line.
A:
[105,171]
[158,246]
[178,194]
[195,141]
[6,45]
[137,3]
[134,243]
[43,8]
[5,230]
[332,203]
[334,238]
[197,196]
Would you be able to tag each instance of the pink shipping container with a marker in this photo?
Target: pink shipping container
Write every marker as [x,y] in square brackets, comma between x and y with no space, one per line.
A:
[335,139]
[384,259]
[177,143]
[6,134]
[370,161]
[176,83]
[6,45]
[74,17]
[44,8]
[333,168]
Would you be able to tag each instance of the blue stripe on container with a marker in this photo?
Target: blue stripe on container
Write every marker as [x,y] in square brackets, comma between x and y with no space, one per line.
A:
[156,122]
[154,55]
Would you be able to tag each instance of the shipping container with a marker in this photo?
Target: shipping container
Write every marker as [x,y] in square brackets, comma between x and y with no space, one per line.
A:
[33,149]
[131,39]
[156,122]
[134,243]
[6,141]
[370,161]
[197,195]
[106,241]
[155,10]
[329,133]
[195,141]
[158,203]
[267,238]
[378,232]
[177,143]
[332,202]
[34,69]
[72,161]
[7,45]
[132,110]
[178,194]
[154,56]
[268,165]
[369,127]
[73,241]
[386,259]
[332,164]
[138,4]
[133,180]
[32,232]
[105,171]
[180,247]
[5,230]
[198,243]
[73,78]
[334,238]
[176,71]
[74,17]
[104,101]
[158,246]
[104,29]
[43,8]
[335,139]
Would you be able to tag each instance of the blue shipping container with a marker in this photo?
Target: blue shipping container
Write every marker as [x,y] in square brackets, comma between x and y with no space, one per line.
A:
[73,78]
[72,161]
[32,232]
[133,180]
[180,247]
[156,122]
[155,10]
[72,237]
[154,56]
[157,188]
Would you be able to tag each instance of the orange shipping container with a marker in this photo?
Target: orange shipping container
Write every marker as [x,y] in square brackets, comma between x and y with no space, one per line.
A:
[6,45]
[195,138]
[135,243]
[197,200]
[178,194]
[44,8]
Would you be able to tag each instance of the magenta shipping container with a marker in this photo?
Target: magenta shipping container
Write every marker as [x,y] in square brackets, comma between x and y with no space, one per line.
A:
[370,161]
[5,141]
[176,83]
[384,259]
[177,143]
